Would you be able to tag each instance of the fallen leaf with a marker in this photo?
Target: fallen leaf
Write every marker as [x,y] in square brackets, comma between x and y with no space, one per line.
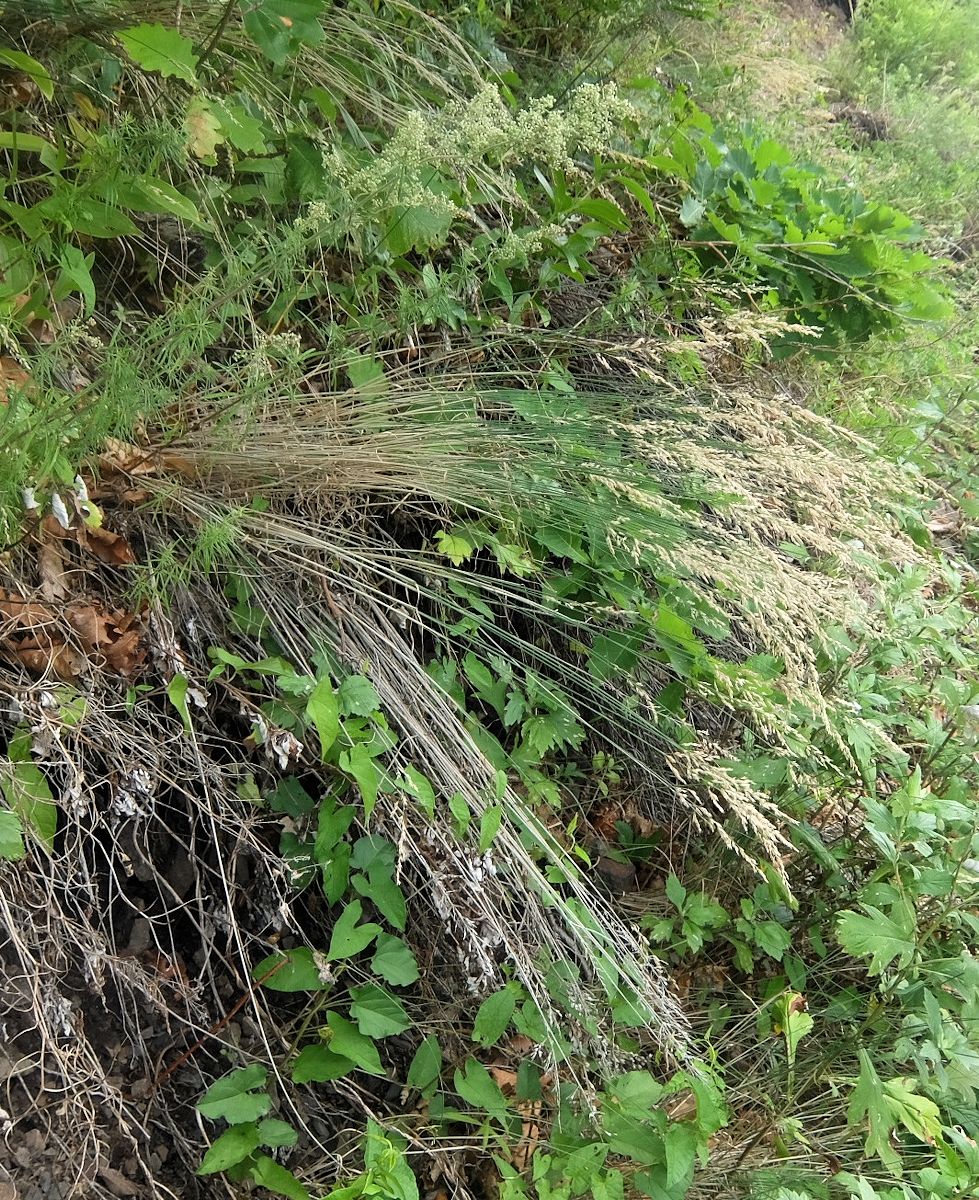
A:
[682,1106]
[51,568]
[12,377]
[505,1078]
[123,458]
[108,547]
[203,131]
[946,519]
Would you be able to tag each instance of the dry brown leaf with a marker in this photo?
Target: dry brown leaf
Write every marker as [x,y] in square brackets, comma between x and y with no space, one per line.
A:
[946,519]
[125,654]
[505,1078]
[25,614]
[12,376]
[51,568]
[123,458]
[56,658]
[682,1106]
[108,547]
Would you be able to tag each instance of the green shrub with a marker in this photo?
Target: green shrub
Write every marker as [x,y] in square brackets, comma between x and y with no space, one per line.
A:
[841,264]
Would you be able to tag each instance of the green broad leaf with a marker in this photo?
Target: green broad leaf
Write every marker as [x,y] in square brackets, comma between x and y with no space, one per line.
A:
[676,893]
[772,938]
[367,374]
[27,792]
[348,936]
[245,132]
[480,1090]
[317,1064]
[596,208]
[231,1147]
[76,276]
[417,785]
[96,218]
[276,1133]
[919,1115]
[358,762]
[347,1041]
[11,836]
[379,887]
[681,1142]
[614,654]
[494,1016]
[459,808]
[489,827]
[358,697]
[377,1012]
[29,143]
[280,27]
[456,549]
[38,73]
[234,1099]
[147,194]
[426,1065]
[291,798]
[274,1177]
[877,936]
[177,690]
[692,211]
[322,708]
[868,1106]
[157,48]
[294,971]
[394,962]
[416,228]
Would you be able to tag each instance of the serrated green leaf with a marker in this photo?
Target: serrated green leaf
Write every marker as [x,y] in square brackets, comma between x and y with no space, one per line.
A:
[245,132]
[676,893]
[358,697]
[691,211]
[280,27]
[157,48]
[878,936]
[868,1105]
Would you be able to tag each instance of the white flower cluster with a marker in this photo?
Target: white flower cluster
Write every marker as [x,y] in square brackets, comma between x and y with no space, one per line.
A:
[468,137]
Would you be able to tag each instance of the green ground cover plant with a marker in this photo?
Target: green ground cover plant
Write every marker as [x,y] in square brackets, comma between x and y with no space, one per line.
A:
[488,625]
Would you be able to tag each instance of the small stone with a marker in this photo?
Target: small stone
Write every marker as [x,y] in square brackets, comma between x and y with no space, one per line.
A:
[117,1183]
